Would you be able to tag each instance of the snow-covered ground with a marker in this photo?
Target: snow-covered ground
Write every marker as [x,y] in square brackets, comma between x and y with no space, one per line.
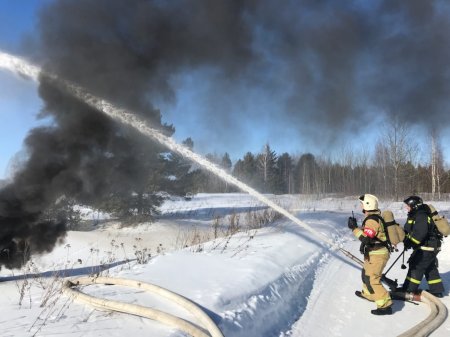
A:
[272,281]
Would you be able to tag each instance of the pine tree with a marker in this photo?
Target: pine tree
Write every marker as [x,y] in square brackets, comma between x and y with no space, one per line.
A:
[178,172]
[284,165]
[133,187]
[226,164]
[305,171]
[267,169]
[246,171]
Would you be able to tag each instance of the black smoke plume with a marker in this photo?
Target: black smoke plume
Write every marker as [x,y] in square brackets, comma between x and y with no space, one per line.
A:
[334,64]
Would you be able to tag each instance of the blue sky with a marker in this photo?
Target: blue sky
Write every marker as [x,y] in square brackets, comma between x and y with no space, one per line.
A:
[19,101]
[190,112]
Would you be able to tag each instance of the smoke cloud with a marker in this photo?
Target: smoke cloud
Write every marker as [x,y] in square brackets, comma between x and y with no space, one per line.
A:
[316,69]
[322,66]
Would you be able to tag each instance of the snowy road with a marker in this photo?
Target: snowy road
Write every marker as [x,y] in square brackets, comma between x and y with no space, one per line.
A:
[334,310]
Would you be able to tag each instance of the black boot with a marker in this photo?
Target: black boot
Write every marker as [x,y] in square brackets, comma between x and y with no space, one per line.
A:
[439,295]
[382,311]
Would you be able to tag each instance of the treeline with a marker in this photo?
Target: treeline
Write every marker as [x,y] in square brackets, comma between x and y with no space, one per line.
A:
[268,172]
[395,167]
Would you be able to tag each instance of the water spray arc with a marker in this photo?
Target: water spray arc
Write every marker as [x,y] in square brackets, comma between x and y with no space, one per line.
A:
[26,69]
[33,72]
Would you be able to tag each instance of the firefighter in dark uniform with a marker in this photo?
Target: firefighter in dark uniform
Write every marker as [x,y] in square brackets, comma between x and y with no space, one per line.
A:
[425,240]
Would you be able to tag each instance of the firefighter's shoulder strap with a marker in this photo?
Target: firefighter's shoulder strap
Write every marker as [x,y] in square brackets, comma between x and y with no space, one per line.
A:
[381,221]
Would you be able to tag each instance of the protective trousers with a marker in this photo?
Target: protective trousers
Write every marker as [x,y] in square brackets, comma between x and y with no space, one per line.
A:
[423,263]
[373,290]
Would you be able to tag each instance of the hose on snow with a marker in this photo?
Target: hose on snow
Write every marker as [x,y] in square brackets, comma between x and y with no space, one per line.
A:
[168,319]
[437,316]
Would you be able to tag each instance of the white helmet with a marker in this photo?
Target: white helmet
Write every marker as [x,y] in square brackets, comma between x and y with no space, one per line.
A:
[369,202]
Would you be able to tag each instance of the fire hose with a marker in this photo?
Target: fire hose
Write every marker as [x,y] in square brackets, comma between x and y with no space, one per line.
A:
[437,316]
[138,310]
[438,311]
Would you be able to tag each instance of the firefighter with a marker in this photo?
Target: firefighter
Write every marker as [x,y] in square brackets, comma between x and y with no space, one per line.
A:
[376,255]
[425,240]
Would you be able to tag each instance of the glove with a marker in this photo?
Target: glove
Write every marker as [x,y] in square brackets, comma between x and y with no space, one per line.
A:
[351,223]
[407,244]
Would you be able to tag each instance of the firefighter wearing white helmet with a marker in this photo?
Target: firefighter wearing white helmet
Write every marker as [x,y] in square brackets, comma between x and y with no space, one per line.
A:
[369,202]
[376,254]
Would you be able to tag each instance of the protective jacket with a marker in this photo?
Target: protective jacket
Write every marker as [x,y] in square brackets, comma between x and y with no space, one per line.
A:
[422,235]
[421,231]
[372,236]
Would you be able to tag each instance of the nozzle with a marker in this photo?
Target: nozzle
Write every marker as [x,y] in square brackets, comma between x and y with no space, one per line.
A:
[405,296]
